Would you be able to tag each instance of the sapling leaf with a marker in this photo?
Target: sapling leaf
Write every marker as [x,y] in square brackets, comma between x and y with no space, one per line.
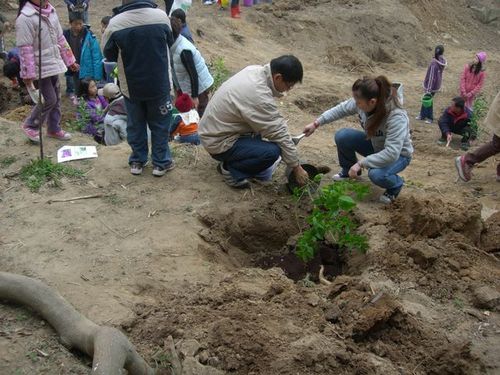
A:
[346,203]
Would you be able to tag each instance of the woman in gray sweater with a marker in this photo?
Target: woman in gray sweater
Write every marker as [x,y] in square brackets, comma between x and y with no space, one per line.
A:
[384,142]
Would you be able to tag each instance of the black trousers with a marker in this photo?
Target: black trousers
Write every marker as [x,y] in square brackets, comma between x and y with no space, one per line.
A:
[168,5]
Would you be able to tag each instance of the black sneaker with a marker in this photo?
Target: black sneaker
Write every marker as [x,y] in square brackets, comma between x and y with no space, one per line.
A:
[387,198]
[465,146]
[230,180]
[159,171]
[136,168]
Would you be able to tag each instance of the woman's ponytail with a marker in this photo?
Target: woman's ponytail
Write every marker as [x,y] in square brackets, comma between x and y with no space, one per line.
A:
[378,88]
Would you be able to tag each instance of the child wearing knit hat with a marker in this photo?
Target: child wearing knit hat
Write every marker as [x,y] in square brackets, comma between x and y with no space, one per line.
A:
[472,79]
[185,124]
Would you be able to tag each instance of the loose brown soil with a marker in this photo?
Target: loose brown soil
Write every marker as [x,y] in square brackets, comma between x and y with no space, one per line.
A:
[186,256]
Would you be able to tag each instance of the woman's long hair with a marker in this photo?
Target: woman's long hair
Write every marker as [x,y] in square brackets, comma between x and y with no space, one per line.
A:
[22,3]
[84,88]
[379,88]
[476,68]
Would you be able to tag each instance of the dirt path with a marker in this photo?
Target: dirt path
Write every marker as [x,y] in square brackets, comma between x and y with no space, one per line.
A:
[174,255]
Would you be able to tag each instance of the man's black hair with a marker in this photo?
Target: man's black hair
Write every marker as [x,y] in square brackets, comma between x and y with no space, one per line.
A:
[459,102]
[75,16]
[289,67]
[11,69]
[180,14]
[105,20]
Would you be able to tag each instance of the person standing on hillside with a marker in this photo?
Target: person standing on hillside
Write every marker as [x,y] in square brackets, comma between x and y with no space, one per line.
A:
[432,82]
[191,71]
[472,79]
[384,142]
[235,9]
[138,37]
[87,52]
[56,57]
[466,162]
[243,129]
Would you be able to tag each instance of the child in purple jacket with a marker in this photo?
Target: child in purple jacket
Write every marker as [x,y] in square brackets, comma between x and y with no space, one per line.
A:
[95,105]
[432,82]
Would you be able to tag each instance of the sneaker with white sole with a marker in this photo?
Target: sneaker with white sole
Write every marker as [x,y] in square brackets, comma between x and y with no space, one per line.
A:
[428,121]
[60,135]
[463,169]
[342,177]
[159,171]
[386,198]
[136,168]
[32,133]
[230,180]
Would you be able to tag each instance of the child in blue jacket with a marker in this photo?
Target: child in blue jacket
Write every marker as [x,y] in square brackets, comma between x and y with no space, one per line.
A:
[87,51]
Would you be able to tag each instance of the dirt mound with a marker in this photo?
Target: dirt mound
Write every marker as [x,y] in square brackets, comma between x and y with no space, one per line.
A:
[434,244]
[490,238]
[259,322]
[431,218]
[8,98]
[358,35]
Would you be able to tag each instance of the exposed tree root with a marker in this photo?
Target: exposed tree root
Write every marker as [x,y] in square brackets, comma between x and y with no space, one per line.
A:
[110,349]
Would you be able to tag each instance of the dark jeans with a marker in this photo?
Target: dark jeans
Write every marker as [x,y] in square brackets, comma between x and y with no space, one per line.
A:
[427,113]
[351,141]
[72,84]
[51,110]
[461,128]
[249,157]
[168,6]
[484,152]
[157,115]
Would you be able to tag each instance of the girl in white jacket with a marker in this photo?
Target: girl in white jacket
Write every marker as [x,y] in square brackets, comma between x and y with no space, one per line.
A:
[56,56]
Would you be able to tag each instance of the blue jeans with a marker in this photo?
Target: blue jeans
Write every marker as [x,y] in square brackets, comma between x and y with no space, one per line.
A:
[157,115]
[249,157]
[351,141]
[427,113]
[193,139]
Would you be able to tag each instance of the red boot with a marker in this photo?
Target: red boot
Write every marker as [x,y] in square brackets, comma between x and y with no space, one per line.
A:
[235,12]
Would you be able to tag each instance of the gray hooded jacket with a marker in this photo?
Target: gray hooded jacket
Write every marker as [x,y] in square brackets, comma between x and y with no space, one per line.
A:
[391,140]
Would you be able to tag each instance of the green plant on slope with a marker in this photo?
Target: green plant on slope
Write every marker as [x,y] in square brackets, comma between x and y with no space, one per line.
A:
[219,71]
[82,117]
[330,217]
[38,172]
[480,109]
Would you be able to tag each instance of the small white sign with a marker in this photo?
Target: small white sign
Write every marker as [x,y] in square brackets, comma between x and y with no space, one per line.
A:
[68,153]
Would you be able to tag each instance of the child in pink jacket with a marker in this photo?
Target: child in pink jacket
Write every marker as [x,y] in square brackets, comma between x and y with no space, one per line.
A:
[472,79]
[56,56]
